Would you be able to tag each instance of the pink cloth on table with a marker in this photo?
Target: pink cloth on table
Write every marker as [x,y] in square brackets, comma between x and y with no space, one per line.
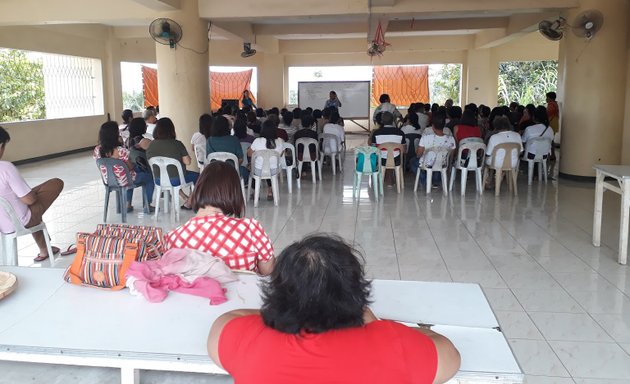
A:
[155,291]
[181,270]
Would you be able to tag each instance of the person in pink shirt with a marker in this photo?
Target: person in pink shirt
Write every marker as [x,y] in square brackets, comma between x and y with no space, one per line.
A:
[29,203]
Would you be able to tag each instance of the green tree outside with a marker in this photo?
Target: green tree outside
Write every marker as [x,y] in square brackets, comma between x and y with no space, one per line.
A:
[133,101]
[526,82]
[444,83]
[21,87]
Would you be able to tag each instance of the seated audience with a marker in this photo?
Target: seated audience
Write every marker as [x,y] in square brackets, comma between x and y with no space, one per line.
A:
[108,147]
[205,130]
[286,124]
[453,116]
[334,127]
[315,318]
[149,117]
[527,119]
[423,115]
[138,145]
[411,125]
[296,122]
[222,141]
[240,131]
[275,121]
[503,134]
[439,139]
[308,122]
[540,128]
[166,144]
[268,140]
[127,116]
[387,106]
[219,228]
[467,127]
[261,115]
[28,203]
[388,133]
[253,124]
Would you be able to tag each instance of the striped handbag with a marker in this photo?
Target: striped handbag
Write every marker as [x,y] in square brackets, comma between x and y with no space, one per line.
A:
[151,244]
[102,261]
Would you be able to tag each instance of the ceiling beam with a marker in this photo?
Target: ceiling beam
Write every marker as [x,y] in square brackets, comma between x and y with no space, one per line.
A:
[447,24]
[518,25]
[243,32]
[161,5]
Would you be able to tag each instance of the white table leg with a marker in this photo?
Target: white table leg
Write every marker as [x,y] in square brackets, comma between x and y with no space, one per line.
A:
[129,375]
[597,215]
[623,227]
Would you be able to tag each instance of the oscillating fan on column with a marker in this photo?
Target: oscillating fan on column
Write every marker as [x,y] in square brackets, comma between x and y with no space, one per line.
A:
[166,31]
[248,50]
[552,30]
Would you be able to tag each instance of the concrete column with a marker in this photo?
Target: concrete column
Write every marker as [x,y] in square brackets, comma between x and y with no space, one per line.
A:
[481,78]
[183,73]
[625,150]
[272,81]
[592,90]
[112,78]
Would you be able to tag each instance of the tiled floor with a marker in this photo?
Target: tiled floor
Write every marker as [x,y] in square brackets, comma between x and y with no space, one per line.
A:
[563,304]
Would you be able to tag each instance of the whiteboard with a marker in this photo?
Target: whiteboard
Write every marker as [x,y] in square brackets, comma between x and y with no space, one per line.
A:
[354,96]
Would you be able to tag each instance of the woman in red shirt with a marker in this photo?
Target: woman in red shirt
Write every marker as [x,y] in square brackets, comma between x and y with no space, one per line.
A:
[218,228]
[315,327]
[467,127]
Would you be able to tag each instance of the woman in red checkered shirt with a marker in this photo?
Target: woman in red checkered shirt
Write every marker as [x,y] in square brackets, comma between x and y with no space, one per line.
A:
[219,228]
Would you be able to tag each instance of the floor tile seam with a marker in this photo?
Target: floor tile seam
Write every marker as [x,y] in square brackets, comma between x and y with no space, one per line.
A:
[550,348]
[391,227]
[438,248]
[545,269]
[571,252]
[587,313]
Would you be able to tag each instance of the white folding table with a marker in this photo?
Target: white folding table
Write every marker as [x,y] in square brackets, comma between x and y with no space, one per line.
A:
[49,321]
[621,173]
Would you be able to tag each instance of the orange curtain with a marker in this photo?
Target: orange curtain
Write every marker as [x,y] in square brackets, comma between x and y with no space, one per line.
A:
[403,84]
[223,85]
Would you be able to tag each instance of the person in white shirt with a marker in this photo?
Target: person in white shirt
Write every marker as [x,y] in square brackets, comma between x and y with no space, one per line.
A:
[123,129]
[199,138]
[502,127]
[439,139]
[411,125]
[333,127]
[151,120]
[386,106]
[540,128]
[268,140]
[423,119]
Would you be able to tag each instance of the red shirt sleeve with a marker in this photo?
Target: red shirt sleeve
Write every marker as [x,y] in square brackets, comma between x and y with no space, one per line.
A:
[234,340]
[419,352]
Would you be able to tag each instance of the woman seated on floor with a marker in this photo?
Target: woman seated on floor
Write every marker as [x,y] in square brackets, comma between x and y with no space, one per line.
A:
[28,203]
[315,318]
[165,144]
[218,228]
[108,147]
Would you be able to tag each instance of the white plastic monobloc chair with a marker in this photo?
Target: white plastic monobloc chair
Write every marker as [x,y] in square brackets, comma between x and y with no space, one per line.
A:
[231,159]
[265,172]
[9,240]
[200,156]
[510,152]
[245,147]
[307,143]
[165,185]
[367,161]
[540,148]
[289,150]
[390,163]
[331,147]
[439,165]
[470,158]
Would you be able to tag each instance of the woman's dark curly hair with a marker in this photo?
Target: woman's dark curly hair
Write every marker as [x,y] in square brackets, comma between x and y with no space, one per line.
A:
[317,285]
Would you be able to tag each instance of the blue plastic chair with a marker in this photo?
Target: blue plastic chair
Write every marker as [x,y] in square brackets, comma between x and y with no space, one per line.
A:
[121,190]
[367,160]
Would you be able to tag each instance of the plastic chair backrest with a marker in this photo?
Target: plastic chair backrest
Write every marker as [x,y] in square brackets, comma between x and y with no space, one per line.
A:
[476,154]
[10,212]
[306,153]
[330,143]
[470,140]
[288,147]
[508,149]
[266,155]
[541,147]
[391,148]
[245,146]
[200,155]
[441,157]
[367,159]
[109,164]
[227,157]
[163,163]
